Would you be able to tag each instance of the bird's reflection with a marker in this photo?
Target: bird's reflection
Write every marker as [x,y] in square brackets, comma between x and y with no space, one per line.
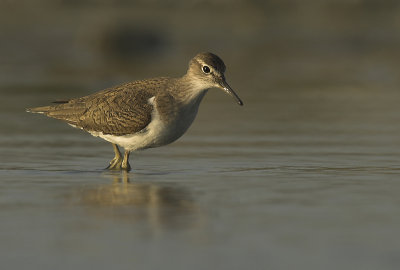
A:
[159,206]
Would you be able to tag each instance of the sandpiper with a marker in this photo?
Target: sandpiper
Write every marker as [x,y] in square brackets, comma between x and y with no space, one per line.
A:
[146,113]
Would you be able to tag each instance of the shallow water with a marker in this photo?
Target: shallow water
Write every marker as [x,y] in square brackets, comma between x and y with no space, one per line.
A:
[306,175]
[303,174]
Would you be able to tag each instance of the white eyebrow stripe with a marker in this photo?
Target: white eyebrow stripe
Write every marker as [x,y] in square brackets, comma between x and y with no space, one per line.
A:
[202,63]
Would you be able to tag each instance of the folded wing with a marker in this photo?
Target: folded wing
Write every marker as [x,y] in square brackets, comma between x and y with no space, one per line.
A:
[117,111]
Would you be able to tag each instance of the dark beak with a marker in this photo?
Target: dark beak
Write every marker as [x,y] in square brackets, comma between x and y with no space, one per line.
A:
[227,89]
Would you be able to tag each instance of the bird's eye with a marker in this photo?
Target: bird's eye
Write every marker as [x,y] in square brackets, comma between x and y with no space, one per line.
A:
[206,69]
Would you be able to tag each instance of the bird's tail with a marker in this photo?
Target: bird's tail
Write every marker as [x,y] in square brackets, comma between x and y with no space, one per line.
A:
[43,110]
[63,110]
[46,109]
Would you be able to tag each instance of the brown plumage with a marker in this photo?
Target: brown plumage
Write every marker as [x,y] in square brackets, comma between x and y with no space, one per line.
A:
[109,111]
[146,113]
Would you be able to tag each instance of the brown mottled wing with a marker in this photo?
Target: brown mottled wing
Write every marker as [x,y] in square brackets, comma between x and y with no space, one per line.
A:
[117,111]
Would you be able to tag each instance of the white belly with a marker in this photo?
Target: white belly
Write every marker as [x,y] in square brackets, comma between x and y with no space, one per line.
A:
[157,133]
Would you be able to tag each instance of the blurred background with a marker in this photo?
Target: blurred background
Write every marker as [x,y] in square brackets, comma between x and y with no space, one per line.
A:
[342,50]
[304,176]
[264,43]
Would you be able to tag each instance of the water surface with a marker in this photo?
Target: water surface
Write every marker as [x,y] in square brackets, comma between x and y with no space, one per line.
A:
[306,175]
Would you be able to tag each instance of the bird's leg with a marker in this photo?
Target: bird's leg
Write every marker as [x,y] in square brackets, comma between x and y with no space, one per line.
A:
[125,162]
[115,163]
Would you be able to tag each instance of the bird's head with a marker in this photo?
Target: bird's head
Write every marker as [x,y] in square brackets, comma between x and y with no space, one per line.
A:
[206,70]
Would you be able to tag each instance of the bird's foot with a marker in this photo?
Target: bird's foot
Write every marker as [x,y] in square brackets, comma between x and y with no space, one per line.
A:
[126,166]
[119,163]
[125,163]
[115,164]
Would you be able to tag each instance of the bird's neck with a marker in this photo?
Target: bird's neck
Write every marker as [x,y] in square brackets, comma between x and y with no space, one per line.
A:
[191,91]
